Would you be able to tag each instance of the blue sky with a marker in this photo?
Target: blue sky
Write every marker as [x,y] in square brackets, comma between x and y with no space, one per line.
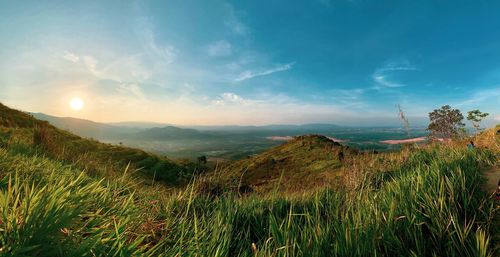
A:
[250,62]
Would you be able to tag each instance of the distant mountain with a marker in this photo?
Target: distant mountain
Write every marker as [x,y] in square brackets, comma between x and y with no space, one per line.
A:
[87,128]
[139,124]
[154,131]
[122,130]
[170,133]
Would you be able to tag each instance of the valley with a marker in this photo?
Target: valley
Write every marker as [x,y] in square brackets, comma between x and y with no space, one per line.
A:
[226,142]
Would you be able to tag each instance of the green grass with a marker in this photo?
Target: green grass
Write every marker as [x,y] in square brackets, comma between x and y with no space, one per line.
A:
[432,204]
[50,209]
[419,210]
[302,163]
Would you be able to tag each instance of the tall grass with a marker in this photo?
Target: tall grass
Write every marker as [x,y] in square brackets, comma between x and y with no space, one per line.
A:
[432,205]
[49,209]
[429,205]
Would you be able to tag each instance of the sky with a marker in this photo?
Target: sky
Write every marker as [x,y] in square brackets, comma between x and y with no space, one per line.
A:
[250,62]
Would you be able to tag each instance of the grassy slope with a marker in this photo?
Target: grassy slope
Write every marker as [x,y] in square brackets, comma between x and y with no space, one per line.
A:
[304,162]
[18,130]
[489,139]
[431,203]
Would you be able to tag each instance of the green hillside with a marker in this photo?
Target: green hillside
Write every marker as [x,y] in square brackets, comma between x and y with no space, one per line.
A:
[430,205]
[303,162]
[25,134]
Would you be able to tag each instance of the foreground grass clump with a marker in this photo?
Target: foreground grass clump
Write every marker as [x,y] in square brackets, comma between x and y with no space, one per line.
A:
[48,209]
[431,204]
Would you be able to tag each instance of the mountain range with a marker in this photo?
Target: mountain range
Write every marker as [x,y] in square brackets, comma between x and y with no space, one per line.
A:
[160,131]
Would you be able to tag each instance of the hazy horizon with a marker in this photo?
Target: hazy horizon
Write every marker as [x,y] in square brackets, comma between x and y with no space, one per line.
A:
[250,63]
[386,121]
[414,122]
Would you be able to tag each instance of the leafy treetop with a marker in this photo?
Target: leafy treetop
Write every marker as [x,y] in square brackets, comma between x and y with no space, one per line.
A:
[475,117]
[446,122]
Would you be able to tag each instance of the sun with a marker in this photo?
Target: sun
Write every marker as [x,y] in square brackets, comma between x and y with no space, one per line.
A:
[76,104]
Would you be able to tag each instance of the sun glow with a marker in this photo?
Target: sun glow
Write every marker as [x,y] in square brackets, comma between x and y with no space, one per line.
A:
[76,104]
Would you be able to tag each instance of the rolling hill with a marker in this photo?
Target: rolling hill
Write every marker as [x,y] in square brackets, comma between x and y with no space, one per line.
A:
[169,133]
[301,163]
[87,128]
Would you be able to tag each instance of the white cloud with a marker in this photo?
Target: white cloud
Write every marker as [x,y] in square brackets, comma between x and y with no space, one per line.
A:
[71,57]
[252,74]
[131,89]
[91,64]
[381,76]
[229,98]
[398,66]
[348,97]
[169,53]
[220,48]
[165,53]
[383,82]
[230,108]
[481,96]
[132,68]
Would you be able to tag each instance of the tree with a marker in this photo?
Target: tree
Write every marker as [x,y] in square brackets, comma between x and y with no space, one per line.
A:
[445,122]
[475,117]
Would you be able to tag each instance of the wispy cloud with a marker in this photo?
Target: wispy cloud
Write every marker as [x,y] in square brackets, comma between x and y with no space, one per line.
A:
[482,96]
[271,109]
[348,94]
[352,98]
[168,53]
[71,57]
[131,89]
[383,81]
[233,23]
[252,74]
[91,63]
[398,66]
[229,98]
[382,76]
[162,52]
[220,48]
